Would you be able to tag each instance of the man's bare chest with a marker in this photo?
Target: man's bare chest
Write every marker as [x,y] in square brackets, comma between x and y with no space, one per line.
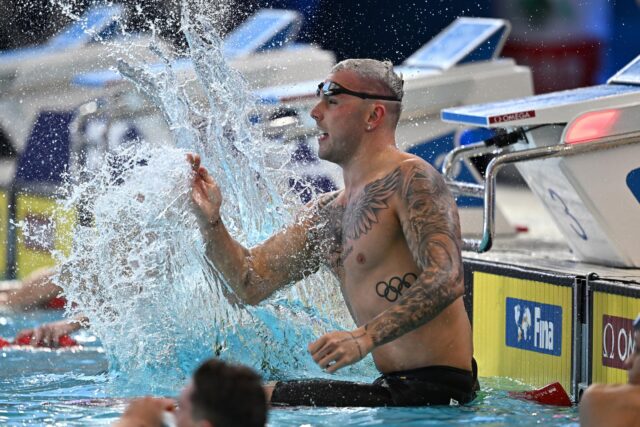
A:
[360,236]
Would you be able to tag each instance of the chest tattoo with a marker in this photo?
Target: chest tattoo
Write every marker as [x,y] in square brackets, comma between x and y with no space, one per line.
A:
[362,213]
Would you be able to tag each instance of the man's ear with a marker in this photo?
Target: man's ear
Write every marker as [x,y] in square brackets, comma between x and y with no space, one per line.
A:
[376,116]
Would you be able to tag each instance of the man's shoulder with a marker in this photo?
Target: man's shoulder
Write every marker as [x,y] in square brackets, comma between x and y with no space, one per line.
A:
[607,394]
[416,173]
[410,163]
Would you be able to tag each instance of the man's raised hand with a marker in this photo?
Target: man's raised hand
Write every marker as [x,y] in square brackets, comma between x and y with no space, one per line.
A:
[205,192]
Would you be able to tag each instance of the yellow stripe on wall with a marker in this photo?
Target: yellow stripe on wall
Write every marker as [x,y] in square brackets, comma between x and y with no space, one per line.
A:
[51,229]
[4,232]
[494,357]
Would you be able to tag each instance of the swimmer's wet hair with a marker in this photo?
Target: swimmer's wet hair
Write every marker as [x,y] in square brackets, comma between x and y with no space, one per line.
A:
[379,71]
[228,395]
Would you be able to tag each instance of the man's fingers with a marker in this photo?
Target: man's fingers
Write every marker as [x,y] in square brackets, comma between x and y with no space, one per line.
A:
[322,352]
[37,337]
[315,346]
[338,365]
[330,357]
[194,159]
[168,404]
[206,177]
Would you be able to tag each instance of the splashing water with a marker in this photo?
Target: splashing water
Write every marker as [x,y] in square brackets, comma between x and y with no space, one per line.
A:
[139,272]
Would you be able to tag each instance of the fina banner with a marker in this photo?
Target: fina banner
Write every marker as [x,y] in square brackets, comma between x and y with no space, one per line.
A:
[534,326]
[522,328]
[612,332]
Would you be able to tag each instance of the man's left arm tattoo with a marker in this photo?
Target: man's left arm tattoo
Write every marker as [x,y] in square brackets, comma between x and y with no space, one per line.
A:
[432,230]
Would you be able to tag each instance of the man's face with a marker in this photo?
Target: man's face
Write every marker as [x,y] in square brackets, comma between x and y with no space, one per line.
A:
[341,119]
[632,364]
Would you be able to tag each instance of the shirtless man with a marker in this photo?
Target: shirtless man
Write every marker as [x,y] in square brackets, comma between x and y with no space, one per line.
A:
[615,405]
[391,237]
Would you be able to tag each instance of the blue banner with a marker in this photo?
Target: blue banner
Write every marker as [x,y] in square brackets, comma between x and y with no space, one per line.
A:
[534,326]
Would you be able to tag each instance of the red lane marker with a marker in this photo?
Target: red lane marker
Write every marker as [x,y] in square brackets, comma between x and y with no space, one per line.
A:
[56,303]
[4,343]
[23,340]
[553,394]
[63,341]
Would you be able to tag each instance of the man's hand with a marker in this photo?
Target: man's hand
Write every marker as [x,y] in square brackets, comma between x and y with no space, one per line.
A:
[49,333]
[336,350]
[146,412]
[205,193]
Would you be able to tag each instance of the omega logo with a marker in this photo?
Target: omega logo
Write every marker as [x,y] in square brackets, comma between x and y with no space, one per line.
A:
[617,341]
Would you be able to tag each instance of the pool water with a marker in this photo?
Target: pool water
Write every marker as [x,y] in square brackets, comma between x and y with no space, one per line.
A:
[73,387]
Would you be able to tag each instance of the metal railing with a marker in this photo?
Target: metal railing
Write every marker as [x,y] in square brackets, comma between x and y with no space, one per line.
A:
[488,190]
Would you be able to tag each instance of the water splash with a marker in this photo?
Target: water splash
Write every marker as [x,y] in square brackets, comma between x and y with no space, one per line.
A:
[139,272]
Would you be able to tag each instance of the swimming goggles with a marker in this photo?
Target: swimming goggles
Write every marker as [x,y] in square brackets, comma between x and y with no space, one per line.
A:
[330,88]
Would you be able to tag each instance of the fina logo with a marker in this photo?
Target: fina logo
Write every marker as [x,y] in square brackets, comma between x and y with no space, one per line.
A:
[534,326]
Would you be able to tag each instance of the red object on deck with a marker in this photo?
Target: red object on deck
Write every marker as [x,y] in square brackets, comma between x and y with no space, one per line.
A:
[553,394]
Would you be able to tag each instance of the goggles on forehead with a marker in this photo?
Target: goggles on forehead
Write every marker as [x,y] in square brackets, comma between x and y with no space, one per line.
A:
[330,88]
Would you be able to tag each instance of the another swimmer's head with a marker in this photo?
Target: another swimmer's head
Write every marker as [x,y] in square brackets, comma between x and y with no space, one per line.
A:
[223,395]
[632,364]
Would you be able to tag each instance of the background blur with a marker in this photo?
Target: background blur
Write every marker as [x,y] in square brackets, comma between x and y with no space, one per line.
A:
[568,43]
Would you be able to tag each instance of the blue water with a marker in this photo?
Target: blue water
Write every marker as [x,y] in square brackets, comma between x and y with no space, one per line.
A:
[73,387]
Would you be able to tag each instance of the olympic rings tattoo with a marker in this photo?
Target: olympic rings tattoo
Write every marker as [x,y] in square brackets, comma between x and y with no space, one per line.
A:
[393,290]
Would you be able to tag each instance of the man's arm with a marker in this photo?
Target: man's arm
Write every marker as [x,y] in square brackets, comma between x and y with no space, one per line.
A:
[431,226]
[254,273]
[146,412]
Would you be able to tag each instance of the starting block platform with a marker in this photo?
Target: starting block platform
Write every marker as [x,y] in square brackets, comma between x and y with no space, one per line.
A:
[579,152]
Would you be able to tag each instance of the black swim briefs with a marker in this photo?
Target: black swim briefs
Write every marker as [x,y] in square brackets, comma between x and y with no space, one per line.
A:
[433,385]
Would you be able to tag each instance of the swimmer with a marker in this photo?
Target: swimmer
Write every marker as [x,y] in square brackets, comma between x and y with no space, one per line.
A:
[615,405]
[35,291]
[392,239]
[219,395]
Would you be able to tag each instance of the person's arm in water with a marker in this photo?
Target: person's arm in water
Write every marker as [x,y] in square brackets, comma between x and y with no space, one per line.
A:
[610,405]
[429,220]
[146,412]
[50,333]
[35,290]
[254,274]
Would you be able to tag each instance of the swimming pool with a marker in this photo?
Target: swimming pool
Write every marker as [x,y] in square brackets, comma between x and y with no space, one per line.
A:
[73,388]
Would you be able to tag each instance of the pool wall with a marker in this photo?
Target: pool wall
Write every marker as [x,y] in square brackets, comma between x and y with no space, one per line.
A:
[539,326]
[33,226]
